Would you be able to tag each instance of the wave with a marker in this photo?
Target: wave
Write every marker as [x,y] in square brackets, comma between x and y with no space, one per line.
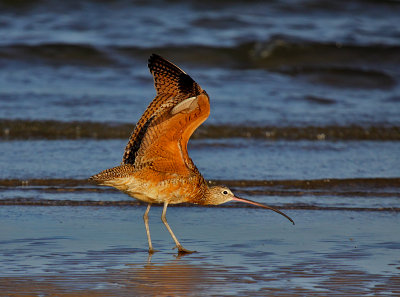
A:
[277,53]
[60,53]
[36,129]
[365,63]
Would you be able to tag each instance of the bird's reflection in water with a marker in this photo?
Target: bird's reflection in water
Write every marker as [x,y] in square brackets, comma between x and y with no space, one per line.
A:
[174,278]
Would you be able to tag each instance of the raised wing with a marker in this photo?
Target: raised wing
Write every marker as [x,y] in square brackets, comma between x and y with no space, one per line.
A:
[161,135]
[169,81]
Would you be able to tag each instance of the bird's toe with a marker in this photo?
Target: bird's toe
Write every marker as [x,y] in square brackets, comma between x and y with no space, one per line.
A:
[182,250]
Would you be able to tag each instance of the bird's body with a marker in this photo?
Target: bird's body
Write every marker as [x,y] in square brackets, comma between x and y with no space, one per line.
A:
[156,167]
[151,186]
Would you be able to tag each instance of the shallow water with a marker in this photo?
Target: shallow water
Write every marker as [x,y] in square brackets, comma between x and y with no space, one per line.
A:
[97,251]
[246,159]
[305,101]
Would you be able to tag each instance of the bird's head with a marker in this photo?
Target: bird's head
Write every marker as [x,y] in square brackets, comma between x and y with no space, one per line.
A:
[221,194]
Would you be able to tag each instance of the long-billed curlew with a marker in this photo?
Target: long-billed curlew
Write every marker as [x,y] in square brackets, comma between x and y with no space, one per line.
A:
[156,167]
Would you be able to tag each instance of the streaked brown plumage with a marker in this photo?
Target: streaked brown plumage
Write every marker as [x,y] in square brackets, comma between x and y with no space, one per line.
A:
[156,167]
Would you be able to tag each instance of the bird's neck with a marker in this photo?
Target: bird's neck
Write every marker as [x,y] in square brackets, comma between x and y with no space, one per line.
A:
[209,197]
[203,196]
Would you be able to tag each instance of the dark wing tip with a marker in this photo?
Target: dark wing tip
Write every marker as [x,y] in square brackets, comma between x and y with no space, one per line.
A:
[156,63]
[167,73]
[187,85]
[153,58]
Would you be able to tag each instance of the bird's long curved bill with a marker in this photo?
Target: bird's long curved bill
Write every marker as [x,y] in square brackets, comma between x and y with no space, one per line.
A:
[263,206]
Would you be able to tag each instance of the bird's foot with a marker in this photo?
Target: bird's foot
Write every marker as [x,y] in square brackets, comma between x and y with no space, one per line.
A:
[183,251]
[152,251]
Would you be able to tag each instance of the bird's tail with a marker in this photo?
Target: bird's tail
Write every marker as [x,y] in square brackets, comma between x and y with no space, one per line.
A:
[113,173]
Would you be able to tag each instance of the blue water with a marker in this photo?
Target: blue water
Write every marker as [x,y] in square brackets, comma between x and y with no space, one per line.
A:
[231,159]
[277,63]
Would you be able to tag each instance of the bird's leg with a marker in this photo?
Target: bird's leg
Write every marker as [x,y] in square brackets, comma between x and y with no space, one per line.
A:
[181,249]
[146,223]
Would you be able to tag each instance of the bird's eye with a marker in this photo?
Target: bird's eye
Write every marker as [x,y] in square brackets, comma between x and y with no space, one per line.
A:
[225,192]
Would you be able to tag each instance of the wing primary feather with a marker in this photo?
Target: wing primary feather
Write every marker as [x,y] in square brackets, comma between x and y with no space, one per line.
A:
[158,63]
[169,78]
[188,86]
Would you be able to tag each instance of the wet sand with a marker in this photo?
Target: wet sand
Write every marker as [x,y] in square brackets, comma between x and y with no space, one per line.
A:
[102,251]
